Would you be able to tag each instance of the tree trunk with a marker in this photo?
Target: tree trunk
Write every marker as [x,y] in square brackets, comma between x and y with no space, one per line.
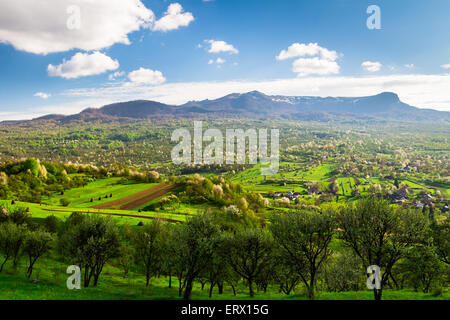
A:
[147,278]
[234,290]
[377,294]
[211,287]
[220,285]
[170,279]
[250,288]
[311,287]
[188,289]
[3,264]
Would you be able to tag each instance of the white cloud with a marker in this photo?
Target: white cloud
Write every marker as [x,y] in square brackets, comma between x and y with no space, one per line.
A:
[217,46]
[446,66]
[173,19]
[42,95]
[371,66]
[42,27]
[409,66]
[115,75]
[146,76]
[322,63]
[83,64]
[304,67]
[218,61]
[311,49]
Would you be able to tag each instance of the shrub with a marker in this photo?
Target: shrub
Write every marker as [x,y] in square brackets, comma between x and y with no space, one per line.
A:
[64,202]
[52,224]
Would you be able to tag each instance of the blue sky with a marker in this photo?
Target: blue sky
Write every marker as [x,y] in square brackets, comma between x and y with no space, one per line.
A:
[160,50]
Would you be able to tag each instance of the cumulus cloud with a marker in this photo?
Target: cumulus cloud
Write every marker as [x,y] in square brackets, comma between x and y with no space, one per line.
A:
[83,64]
[322,63]
[146,76]
[43,27]
[217,46]
[173,19]
[42,95]
[446,66]
[311,49]
[371,66]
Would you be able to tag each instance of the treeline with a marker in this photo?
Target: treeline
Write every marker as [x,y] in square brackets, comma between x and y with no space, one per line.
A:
[317,251]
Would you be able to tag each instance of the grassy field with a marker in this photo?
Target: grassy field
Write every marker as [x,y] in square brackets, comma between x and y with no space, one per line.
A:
[113,286]
[80,197]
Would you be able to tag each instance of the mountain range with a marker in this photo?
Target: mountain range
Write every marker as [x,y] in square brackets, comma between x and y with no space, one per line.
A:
[257,105]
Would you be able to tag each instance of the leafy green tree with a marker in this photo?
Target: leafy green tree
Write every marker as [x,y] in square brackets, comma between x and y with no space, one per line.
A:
[32,165]
[197,246]
[441,239]
[343,272]
[52,224]
[380,234]
[174,256]
[125,259]
[89,241]
[17,215]
[285,272]
[36,244]
[248,252]
[147,243]
[305,237]
[11,241]
[64,202]
[422,267]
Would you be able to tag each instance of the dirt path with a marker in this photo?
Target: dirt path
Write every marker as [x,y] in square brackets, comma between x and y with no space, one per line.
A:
[139,198]
[118,215]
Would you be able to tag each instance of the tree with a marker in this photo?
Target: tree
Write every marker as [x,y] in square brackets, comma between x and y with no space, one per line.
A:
[174,256]
[284,272]
[36,244]
[89,241]
[125,259]
[197,246]
[343,272]
[11,241]
[248,252]
[52,224]
[441,239]
[147,243]
[305,237]
[421,267]
[380,234]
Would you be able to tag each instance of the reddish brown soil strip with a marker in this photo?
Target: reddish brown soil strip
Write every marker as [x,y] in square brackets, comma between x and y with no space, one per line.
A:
[332,180]
[134,197]
[118,215]
[139,202]
[356,180]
